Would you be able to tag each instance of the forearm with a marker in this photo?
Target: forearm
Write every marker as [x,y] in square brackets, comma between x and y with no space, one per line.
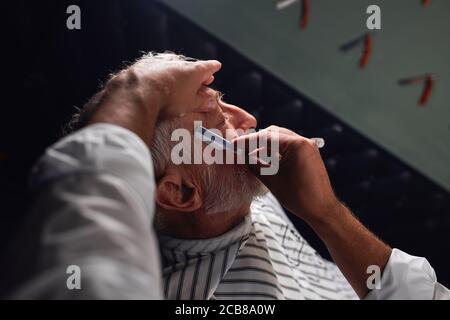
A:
[352,246]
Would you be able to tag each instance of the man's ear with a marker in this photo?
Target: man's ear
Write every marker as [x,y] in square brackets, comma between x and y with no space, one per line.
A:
[175,193]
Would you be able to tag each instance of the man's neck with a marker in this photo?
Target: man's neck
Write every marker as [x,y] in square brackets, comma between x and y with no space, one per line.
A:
[200,225]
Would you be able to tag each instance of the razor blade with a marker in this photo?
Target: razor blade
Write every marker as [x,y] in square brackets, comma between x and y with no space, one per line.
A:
[210,138]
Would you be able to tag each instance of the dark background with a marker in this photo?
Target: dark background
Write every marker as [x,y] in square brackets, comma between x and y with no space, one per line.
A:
[49,70]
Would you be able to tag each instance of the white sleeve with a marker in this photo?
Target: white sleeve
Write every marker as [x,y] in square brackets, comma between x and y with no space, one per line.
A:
[94,210]
[407,277]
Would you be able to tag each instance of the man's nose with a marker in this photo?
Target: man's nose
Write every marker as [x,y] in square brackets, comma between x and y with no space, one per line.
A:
[240,118]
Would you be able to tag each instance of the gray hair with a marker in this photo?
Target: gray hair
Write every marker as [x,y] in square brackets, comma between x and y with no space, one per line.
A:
[82,117]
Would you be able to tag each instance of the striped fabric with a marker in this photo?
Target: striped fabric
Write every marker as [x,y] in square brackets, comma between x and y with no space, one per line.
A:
[262,258]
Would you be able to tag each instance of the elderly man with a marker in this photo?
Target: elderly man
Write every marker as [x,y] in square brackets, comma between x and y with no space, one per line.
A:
[221,234]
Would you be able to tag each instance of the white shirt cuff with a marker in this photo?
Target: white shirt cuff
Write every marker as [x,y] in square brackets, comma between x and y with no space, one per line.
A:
[407,277]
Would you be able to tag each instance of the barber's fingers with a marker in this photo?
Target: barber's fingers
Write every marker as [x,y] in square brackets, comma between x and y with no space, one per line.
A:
[274,135]
[209,81]
[267,133]
[261,158]
[192,78]
[204,71]
[254,140]
[253,143]
[256,147]
[201,77]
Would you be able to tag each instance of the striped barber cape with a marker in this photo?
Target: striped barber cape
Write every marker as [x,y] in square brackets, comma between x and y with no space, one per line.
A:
[264,257]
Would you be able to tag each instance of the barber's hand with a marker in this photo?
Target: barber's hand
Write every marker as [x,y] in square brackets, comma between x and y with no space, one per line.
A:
[153,89]
[301,185]
[176,83]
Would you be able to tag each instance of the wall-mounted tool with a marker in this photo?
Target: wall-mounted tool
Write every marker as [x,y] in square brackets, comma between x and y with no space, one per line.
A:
[304,10]
[283,4]
[304,14]
[367,52]
[428,81]
[367,41]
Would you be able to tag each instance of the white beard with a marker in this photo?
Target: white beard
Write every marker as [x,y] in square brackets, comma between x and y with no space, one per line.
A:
[230,187]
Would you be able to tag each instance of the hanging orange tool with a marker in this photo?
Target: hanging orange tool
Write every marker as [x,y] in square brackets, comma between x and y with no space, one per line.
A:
[427,90]
[428,80]
[304,14]
[367,51]
[367,40]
